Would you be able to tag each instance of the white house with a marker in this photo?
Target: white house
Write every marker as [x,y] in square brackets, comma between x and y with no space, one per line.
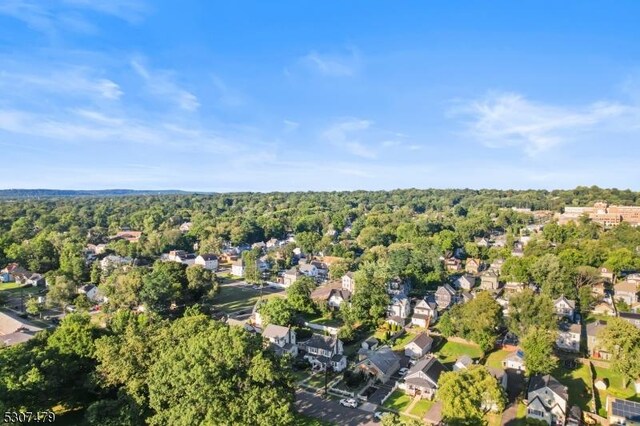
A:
[91,291]
[309,270]
[419,346]
[564,307]
[568,337]
[399,310]
[208,261]
[337,297]
[237,268]
[547,400]
[514,361]
[422,378]
[423,313]
[463,363]
[281,339]
[465,282]
[323,351]
[349,282]
[113,261]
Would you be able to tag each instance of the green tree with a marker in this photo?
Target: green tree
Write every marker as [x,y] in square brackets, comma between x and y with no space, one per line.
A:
[537,346]
[527,310]
[467,395]
[370,298]
[83,303]
[276,311]
[251,270]
[61,292]
[33,307]
[299,294]
[200,282]
[622,340]
[72,262]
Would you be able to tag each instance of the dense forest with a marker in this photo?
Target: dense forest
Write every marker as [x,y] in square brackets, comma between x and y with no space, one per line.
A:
[185,368]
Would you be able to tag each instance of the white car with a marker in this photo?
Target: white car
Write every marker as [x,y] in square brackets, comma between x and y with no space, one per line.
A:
[349,402]
[379,415]
[403,371]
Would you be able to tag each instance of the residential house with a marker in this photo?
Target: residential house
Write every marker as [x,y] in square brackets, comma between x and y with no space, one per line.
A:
[465,282]
[323,351]
[237,268]
[349,282]
[513,287]
[452,264]
[514,361]
[630,317]
[607,274]
[398,287]
[564,307]
[603,308]
[496,266]
[568,337]
[627,291]
[574,417]
[259,245]
[465,297]
[15,330]
[547,400]
[185,227]
[489,280]
[113,261]
[272,243]
[309,270]
[463,363]
[418,346]
[598,290]
[130,236]
[399,310]
[208,261]
[32,279]
[593,343]
[281,339]
[423,313]
[473,266]
[371,344]
[444,296]
[622,411]
[337,297]
[483,242]
[11,271]
[290,276]
[380,365]
[91,291]
[422,378]
[186,259]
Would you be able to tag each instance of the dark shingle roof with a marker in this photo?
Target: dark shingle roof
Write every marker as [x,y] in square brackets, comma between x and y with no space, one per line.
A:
[539,382]
[422,340]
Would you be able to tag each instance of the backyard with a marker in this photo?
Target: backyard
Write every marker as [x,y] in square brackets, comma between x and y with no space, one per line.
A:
[494,359]
[451,351]
[615,387]
[398,401]
[236,298]
[421,407]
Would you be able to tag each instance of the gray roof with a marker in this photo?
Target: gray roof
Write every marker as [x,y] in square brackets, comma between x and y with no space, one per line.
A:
[539,382]
[17,337]
[430,366]
[422,340]
[465,360]
[384,359]
[209,256]
[273,331]
[593,328]
[630,410]
[570,327]
[498,373]
[571,303]
[321,342]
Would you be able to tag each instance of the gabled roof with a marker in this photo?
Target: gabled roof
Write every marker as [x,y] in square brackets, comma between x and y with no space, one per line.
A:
[626,287]
[384,359]
[538,382]
[430,367]
[321,342]
[422,340]
[571,303]
[445,288]
[273,331]
[593,328]
[464,360]
[209,256]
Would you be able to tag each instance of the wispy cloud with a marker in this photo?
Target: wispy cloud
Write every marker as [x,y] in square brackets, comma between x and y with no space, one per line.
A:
[51,17]
[290,125]
[161,83]
[509,119]
[346,135]
[333,65]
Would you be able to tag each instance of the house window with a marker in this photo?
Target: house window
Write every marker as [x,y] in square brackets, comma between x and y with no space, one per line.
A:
[536,413]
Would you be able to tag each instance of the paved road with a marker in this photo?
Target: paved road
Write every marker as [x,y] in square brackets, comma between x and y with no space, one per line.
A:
[331,411]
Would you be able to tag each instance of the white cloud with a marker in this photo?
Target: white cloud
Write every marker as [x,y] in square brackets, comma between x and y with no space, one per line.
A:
[333,65]
[290,126]
[160,83]
[345,134]
[509,119]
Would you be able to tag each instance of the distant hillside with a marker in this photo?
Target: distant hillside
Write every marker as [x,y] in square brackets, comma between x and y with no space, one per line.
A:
[48,193]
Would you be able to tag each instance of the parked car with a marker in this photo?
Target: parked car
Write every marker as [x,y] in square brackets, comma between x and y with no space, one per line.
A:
[379,415]
[71,308]
[349,402]
[403,371]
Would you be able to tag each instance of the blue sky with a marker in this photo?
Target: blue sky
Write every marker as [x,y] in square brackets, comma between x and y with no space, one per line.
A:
[319,95]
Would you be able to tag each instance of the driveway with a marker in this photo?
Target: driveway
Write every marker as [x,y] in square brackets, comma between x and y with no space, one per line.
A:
[515,386]
[331,411]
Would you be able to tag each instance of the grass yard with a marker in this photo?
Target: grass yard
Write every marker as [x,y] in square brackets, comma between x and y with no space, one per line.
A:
[495,358]
[615,384]
[16,289]
[232,299]
[317,380]
[398,401]
[421,408]
[329,322]
[402,341]
[521,415]
[10,286]
[451,351]
[578,382]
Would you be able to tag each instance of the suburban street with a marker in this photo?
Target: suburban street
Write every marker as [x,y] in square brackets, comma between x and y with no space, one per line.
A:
[331,411]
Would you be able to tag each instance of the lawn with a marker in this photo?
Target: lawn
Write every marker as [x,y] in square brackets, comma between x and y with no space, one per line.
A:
[398,401]
[578,382]
[402,341]
[10,286]
[317,380]
[495,358]
[615,384]
[16,289]
[521,415]
[421,408]
[451,351]
[329,322]
[232,299]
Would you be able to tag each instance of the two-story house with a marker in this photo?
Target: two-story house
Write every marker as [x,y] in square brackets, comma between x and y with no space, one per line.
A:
[237,268]
[564,307]
[568,337]
[547,400]
[445,296]
[422,379]
[398,310]
[309,269]
[489,280]
[593,342]
[349,282]
[323,351]
[424,312]
[465,282]
[281,339]
[418,346]
[208,261]
[473,266]
[452,264]
[290,276]
[627,291]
